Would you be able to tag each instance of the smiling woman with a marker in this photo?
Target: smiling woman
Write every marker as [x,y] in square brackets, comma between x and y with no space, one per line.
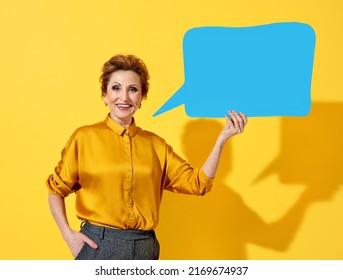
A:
[124,84]
[119,172]
[123,96]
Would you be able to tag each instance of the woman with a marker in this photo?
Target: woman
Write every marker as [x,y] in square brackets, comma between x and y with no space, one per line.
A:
[119,171]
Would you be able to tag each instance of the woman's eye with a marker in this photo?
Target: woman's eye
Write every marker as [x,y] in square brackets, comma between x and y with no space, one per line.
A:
[133,89]
[116,88]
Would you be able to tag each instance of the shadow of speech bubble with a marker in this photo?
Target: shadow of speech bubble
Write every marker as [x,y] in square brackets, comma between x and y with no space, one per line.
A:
[263,70]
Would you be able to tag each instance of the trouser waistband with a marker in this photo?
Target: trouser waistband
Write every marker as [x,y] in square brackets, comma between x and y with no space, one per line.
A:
[126,234]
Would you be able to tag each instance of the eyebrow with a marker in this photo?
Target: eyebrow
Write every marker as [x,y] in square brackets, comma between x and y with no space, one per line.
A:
[129,85]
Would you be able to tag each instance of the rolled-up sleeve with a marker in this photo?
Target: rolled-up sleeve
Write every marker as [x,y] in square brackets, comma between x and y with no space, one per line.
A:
[183,178]
[64,180]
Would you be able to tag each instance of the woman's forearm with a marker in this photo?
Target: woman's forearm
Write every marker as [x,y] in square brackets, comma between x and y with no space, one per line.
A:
[211,164]
[233,126]
[58,211]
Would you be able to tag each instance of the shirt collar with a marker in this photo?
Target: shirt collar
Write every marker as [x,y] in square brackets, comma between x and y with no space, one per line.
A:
[120,130]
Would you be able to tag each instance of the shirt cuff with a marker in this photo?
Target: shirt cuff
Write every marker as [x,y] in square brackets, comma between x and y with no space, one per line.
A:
[205,182]
[57,186]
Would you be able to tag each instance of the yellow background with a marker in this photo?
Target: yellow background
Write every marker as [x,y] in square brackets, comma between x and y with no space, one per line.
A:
[51,53]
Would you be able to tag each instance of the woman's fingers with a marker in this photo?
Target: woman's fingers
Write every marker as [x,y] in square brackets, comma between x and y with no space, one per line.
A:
[238,120]
[235,124]
[89,241]
[245,119]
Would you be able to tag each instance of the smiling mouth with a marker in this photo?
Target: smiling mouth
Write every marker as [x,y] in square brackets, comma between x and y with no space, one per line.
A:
[124,106]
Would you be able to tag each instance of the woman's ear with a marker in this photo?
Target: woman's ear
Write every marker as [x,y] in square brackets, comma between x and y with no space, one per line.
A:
[104,99]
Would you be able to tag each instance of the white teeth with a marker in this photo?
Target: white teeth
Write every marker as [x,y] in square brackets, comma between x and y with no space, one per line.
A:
[124,105]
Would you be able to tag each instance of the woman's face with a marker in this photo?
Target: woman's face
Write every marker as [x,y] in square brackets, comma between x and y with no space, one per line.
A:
[123,96]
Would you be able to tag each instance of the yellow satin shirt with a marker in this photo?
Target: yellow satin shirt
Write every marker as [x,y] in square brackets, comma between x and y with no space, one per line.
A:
[119,174]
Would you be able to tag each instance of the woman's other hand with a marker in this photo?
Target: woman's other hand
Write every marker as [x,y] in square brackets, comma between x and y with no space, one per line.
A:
[76,240]
[235,124]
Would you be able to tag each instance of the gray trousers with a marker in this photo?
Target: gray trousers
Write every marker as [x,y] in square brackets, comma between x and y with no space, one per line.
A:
[119,244]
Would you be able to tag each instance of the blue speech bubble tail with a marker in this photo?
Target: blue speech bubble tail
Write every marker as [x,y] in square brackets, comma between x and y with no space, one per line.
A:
[174,101]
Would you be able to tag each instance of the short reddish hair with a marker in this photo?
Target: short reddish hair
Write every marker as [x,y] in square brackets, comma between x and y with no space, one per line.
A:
[126,63]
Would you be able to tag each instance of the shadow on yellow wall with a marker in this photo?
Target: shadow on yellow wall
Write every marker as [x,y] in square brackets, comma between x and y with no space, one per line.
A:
[310,155]
[311,149]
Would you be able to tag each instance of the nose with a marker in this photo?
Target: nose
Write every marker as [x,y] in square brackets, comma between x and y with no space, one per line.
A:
[125,95]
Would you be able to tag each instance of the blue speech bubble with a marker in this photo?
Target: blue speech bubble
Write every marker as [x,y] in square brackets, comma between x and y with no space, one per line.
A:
[263,70]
